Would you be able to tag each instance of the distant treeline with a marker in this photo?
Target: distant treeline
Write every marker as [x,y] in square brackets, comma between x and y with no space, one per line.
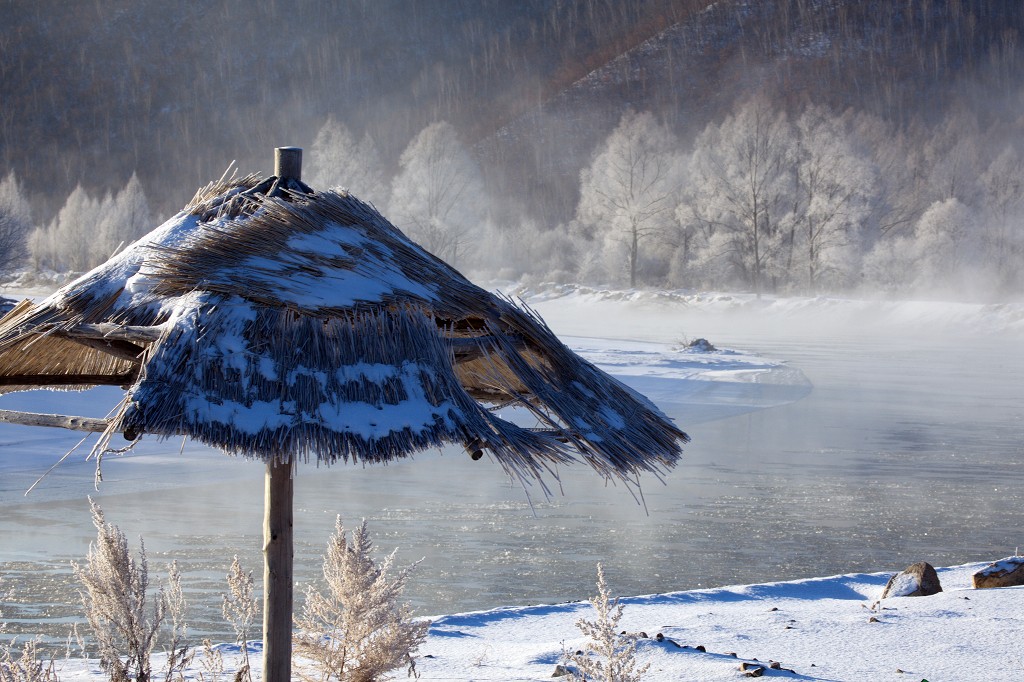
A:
[760,200]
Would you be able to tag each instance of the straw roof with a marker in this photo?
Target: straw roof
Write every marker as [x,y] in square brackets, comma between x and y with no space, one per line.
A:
[280,323]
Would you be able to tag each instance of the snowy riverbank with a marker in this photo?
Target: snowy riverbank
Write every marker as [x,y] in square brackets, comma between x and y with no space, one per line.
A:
[824,629]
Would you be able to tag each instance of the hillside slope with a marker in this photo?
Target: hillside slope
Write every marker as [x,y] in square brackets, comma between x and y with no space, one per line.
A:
[95,91]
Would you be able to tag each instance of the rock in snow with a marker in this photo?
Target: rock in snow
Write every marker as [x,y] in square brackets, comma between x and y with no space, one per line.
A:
[916,580]
[1007,572]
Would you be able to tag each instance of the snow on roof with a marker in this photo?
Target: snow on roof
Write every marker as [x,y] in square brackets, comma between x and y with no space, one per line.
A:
[307,326]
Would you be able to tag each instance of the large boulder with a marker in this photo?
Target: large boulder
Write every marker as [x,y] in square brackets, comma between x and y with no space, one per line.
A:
[1006,572]
[916,580]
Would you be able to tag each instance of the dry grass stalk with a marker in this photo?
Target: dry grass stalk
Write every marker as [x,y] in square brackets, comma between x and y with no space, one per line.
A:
[241,609]
[179,656]
[27,665]
[609,655]
[358,631]
[115,595]
[211,663]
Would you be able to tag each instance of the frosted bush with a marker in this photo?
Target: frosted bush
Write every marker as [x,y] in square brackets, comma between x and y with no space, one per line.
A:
[609,655]
[116,600]
[357,630]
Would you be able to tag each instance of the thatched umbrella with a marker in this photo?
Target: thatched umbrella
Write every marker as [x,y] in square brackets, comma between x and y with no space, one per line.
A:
[287,325]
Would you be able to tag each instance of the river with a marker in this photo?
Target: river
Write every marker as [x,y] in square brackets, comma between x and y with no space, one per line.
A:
[881,447]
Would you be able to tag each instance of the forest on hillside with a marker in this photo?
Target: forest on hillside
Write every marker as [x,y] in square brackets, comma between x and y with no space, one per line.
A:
[791,146]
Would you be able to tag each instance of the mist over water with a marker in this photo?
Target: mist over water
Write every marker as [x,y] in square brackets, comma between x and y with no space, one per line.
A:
[878,447]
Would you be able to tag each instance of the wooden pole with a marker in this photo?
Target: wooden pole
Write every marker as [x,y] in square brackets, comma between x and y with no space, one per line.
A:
[278,556]
[278,544]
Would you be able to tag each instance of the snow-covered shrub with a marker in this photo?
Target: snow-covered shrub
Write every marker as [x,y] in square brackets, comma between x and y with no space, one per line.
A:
[609,655]
[357,630]
[115,594]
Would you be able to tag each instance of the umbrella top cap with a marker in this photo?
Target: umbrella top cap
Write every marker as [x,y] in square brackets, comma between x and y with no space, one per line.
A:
[288,162]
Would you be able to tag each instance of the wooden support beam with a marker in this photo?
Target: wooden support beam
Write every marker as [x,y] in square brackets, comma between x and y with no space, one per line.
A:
[59,421]
[53,380]
[278,587]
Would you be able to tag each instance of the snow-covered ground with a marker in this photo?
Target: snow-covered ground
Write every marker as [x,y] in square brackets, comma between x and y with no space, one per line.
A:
[825,629]
[820,629]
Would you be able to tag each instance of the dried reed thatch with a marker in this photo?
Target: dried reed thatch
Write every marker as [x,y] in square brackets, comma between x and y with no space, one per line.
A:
[283,324]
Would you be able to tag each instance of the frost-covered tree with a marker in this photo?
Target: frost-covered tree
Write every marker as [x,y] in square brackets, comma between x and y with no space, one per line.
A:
[1002,186]
[337,160]
[123,218]
[357,631]
[15,223]
[900,190]
[87,231]
[438,196]
[944,245]
[835,183]
[890,265]
[951,156]
[64,244]
[629,191]
[528,249]
[941,255]
[741,190]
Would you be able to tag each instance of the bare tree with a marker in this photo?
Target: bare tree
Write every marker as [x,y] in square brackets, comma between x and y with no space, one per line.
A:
[628,193]
[357,631]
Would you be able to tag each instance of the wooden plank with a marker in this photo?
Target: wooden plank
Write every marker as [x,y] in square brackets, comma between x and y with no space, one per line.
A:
[278,555]
[59,421]
[120,332]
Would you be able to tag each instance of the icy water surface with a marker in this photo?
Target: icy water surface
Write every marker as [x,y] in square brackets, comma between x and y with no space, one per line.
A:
[893,450]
